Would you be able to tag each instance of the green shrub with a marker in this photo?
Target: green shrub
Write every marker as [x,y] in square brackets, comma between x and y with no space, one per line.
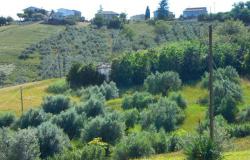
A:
[7,119]
[162,82]
[86,75]
[239,130]
[22,144]
[93,152]
[58,87]
[70,122]
[92,108]
[178,98]
[139,100]
[107,128]
[32,118]
[67,155]
[202,148]
[160,142]
[55,104]
[228,109]
[52,140]
[164,114]
[244,116]
[25,145]
[134,146]
[109,90]
[131,117]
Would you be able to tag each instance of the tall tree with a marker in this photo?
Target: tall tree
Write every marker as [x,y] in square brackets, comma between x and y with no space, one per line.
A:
[163,10]
[147,14]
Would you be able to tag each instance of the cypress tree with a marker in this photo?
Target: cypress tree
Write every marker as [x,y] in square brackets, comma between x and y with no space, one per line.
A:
[163,10]
[147,14]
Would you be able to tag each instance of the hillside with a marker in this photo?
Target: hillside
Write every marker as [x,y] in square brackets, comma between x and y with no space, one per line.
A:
[13,40]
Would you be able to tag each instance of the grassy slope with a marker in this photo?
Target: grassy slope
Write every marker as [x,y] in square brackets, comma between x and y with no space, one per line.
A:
[33,93]
[15,38]
[32,96]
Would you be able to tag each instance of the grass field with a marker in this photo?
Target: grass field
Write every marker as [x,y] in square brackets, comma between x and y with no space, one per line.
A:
[32,96]
[14,39]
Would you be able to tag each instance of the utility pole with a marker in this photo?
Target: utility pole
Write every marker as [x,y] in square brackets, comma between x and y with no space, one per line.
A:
[21,96]
[210,63]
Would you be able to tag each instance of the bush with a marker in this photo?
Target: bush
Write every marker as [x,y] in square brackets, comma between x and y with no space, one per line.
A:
[70,122]
[134,146]
[58,88]
[55,104]
[52,140]
[7,119]
[106,90]
[228,109]
[202,148]
[139,100]
[92,108]
[160,142]
[131,117]
[86,75]
[162,82]
[239,130]
[109,90]
[244,116]
[164,114]
[32,118]
[177,97]
[93,152]
[107,128]
[25,146]
[19,145]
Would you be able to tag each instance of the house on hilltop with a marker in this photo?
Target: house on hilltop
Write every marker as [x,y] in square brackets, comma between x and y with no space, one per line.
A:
[109,15]
[63,13]
[140,17]
[194,12]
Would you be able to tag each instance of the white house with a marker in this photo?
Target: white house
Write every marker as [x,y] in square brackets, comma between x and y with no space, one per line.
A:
[62,13]
[194,12]
[108,14]
[104,69]
[140,17]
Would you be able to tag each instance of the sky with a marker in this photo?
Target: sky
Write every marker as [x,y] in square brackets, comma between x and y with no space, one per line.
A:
[131,7]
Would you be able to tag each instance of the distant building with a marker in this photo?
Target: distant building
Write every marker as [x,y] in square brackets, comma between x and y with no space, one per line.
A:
[194,12]
[140,17]
[104,69]
[156,14]
[63,13]
[108,14]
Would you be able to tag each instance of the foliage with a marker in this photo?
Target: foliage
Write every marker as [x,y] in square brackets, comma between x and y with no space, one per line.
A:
[32,118]
[109,90]
[162,82]
[133,146]
[7,119]
[92,107]
[91,152]
[52,140]
[70,122]
[58,87]
[179,99]
[227,92]
[84,75]
[164,114]
[108,128]
[139,100]
[202,148]
[239,130]
[20,145]
[55,104]
[131,117]
[244,116]
[25,145]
